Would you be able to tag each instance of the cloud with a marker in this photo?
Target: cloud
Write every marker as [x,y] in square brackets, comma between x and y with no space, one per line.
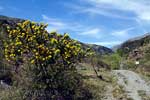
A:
[107,43]
[59,25]
[92,11]
[54,24]
[117,8]
[140,24]
[63,26]
[92,32]
[122,33]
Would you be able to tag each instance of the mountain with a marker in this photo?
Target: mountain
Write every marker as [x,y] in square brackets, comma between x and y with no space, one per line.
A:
[137,49]
[4,20]
[133,43]
[100,49]
[9,20]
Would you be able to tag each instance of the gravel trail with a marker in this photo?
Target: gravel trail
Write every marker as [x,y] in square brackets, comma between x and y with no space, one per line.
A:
[132,83]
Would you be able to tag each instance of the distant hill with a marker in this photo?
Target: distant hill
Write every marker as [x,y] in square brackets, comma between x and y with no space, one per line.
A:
[136,49]
[4,20]
[100,49]
[134,43]
[9,20]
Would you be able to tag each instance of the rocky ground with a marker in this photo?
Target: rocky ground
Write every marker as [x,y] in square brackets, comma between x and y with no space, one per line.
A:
[132,83]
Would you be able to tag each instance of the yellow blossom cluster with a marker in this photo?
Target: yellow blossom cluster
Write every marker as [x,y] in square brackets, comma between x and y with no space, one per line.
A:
[33,40]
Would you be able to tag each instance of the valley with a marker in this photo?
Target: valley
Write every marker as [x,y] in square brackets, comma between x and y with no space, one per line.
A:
[108,74]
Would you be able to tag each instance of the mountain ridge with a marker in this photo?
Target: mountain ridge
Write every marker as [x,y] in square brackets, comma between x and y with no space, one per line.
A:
[133,43]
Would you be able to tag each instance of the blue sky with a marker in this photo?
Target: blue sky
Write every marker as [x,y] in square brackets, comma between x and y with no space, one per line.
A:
[103,22]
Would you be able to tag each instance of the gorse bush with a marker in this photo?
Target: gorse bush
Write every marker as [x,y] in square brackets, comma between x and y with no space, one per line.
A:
[4,66]
[44,63]
[35,42]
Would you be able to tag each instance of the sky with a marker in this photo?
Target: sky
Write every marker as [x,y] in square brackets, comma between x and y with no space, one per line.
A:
[102,22]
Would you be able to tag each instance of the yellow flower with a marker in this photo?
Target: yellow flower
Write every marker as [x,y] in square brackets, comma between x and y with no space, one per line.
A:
[32,61]
[18,43]
[8,27]
[23,34]
[38,31]
[12,55]
[49,56]
[54,32]
[67,45]
[58,35]
[66,35]
[6,56]
[33,26]
[14,31]
[36,57]
[19,50]
[34,36]
[36,53]
[43,59]
[35,33]
[57,51]
[31,38]
[33,22]
[68,62]
[9,36]
[34,50]
[53,40]
[40,46]
[36,28]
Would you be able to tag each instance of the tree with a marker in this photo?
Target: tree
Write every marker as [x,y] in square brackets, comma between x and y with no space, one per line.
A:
[44,63]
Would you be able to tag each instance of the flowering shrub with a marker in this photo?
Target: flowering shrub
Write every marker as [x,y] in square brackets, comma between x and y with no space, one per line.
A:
[34,41]
[51,59]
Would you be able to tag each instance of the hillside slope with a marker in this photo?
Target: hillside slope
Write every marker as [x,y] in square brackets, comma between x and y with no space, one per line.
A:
[134,43]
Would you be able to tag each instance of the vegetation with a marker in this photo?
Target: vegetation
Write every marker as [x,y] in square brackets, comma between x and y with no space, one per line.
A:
[113,60]
[144,95]
[43,64]
[98,87]
[38,65]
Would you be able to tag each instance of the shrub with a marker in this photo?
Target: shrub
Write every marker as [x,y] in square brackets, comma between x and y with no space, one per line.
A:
[113,60]
[5,74]
[44,63]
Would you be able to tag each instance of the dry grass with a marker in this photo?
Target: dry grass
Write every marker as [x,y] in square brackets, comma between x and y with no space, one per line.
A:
[143,95]
[97,86]
[107,89]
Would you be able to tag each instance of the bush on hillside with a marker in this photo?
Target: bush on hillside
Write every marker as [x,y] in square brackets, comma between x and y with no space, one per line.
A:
[113,60]
[44,63]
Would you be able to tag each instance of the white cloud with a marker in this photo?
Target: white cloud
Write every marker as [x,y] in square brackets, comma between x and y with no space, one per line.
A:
[92,11]
[139,8]
[59,25]
[122,33]
[54,24]
[140,24]
[92,32]
[107,43]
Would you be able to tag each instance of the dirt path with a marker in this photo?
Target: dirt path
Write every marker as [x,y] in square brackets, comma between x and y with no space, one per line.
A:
[132,83]
[109,95]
